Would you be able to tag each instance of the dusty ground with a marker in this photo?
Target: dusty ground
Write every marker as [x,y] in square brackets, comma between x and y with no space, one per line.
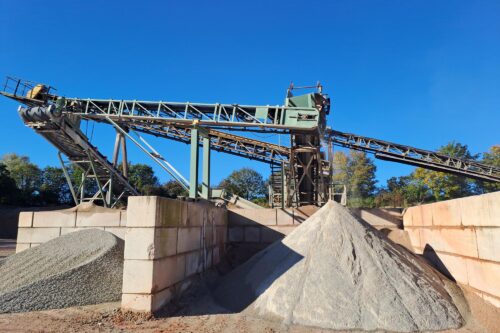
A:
[185,317]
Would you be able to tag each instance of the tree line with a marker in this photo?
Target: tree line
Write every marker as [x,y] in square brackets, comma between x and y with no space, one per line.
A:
[357,171]
[24,183]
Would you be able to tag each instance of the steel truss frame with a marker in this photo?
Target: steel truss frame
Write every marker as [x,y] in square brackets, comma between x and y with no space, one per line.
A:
[414,156]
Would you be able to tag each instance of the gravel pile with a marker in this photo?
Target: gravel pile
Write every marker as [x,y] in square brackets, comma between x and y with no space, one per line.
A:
[336,272]
[80,268]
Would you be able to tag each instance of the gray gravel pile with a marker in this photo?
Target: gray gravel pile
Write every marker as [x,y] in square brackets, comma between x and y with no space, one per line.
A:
[336,272]
[80,268]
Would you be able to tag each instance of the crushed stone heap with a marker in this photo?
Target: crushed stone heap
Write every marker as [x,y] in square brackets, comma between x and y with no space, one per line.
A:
[336,272]
[80,268]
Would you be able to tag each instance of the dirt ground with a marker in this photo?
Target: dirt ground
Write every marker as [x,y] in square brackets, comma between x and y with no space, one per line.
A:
[185,316]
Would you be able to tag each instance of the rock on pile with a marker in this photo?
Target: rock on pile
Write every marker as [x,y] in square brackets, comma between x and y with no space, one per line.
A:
[80,268]
[336,272]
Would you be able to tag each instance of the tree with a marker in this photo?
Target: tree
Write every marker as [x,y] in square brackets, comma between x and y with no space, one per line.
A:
[143,178]
[54,188]
[27,176]
[491,158]
[9,193]
[172,189]
[401,191]
[362,175]
[246,183]
[444,186]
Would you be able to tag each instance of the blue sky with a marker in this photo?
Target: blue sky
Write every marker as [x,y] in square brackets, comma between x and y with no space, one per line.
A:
[421,73]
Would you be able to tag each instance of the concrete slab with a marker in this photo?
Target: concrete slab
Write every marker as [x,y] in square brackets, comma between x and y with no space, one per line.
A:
[194,263]
[484,276]
[264,216]
[252,234]
[171,212]
[236,234]
[488,243]
[22,246]
[458,241]
[448,264]
[37,235]
[446,213]
[494,208]
[168,271]
[97,219]
[117,231]
[284,216]
[475,211]
[188,239]
[65,231]
[407,217]
[56,218]
[141,211]
[123,218]
[150,243]
[138,276]
[25,220]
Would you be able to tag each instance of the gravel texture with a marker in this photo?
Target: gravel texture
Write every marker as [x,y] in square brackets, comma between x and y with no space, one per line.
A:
[80,268]
[336,272]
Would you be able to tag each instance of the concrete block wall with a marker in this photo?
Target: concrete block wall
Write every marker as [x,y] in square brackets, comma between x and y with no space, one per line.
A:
[41,226]
[167,243]
[380,218]
[264,225]
[461,237]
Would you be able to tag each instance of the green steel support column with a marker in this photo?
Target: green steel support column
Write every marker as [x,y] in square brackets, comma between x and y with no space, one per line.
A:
[205,185]
[193,165]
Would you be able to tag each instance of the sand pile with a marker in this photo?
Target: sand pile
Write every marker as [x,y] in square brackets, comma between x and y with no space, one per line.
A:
[337,272]
[80,268]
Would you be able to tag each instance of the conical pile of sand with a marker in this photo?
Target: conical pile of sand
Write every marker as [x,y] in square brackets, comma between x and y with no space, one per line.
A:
[337,272]
[80,268]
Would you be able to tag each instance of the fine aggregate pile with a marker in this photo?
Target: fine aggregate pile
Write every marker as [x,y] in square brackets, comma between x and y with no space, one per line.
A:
[336,272]
[80,268]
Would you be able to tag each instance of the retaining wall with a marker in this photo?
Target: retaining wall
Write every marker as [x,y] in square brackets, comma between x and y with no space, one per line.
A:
[461,237]
[167,243]
[41,226]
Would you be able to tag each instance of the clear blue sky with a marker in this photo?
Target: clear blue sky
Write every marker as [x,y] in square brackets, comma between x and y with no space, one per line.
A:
[420,73]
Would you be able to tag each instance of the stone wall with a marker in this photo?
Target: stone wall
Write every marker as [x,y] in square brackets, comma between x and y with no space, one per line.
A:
[461,238]
[41,226]
[167,243]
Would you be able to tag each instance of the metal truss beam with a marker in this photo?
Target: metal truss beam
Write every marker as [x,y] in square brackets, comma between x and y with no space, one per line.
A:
[414,156]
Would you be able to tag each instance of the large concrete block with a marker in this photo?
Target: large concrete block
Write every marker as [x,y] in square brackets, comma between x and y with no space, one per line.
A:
[263,216]
[427,213]
[407,217]
[221,235]
[123,218]
[150,243]
[137,302]
[446,213]
[450,265]
[189,239]
[117,231]
[459,241]
[37,235]
[236,234]
[22,246]
[216,255]
[168,271]
[142,211]
[220,216]
[208,235]
[272,234]
[252,234]
[138,276]
[55,218]
[109,218]
[197,214]
[171,212]
[284,216]
[417,219]
[414,234]
[494,208]
[194,263]
[475,211]
[488,243]
[25,220]
[484,275]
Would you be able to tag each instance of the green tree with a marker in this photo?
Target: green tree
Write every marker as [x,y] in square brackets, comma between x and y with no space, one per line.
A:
[143,178]
[492,157]
[246,183]
[54,188]
[444,186]
[401,191]
[27,176]
[357,172]
[172,189]
[9,194]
